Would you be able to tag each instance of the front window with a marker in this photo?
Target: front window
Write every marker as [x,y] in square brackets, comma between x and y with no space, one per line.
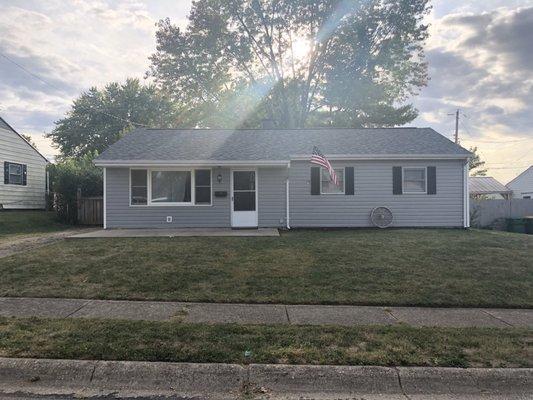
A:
[202,186]
[139,187]
[171,186]
[326,184]
[414,180]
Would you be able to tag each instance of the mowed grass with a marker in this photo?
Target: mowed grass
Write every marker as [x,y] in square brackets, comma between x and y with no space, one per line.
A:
[27,223]
[172,341]
[381,267]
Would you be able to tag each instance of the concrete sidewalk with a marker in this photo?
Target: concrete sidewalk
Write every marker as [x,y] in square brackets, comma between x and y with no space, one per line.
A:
[117,379]
[265,313]
[176,232]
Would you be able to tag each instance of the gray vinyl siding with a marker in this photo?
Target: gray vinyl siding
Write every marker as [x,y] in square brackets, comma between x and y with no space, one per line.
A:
[272,197]
[373,188]
[31,196]
[119,214]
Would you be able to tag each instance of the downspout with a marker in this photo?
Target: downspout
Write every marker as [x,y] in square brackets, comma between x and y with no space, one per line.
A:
[466,202]
[105,199]
[287,199]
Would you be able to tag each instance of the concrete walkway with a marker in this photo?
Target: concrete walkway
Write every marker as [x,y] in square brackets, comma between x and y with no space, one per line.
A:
[265,313]
[119,379]
[183,232]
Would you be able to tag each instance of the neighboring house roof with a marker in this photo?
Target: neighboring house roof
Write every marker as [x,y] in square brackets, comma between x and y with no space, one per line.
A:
[486,185]
[6,126]
[519,175]
[276,144]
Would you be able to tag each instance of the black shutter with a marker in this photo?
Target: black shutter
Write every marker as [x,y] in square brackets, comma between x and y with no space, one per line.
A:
[432,180]
[397,180]
[6,172]
[315,180]
[348,181]
[24,174]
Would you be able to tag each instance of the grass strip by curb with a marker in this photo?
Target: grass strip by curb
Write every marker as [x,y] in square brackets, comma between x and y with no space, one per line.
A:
[174,341]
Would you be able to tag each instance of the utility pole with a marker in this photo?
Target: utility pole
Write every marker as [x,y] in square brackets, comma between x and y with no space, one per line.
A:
[456,126]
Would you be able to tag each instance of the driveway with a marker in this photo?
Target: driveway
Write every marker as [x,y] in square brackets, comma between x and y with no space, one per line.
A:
[18,244]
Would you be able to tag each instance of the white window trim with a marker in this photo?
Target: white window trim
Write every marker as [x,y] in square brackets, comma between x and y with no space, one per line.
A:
[211,187]
[343,181]
[21,173]
[425,180]
[130,187]
[149,202]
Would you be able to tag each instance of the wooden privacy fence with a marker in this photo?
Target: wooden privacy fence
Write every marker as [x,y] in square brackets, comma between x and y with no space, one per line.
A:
[484,213]
[90,210]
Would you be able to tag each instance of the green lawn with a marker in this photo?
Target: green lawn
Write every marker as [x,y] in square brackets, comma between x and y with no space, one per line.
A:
[384,267]
[172,341]
[27,223]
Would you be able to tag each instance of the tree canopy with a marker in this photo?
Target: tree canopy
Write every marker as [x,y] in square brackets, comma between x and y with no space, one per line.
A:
[99,117]
[297,62]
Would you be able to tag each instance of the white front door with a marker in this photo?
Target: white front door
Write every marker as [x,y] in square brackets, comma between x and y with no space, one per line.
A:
[243,198]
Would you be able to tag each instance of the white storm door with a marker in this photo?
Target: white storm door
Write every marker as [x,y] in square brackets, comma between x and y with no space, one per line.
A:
[243,198]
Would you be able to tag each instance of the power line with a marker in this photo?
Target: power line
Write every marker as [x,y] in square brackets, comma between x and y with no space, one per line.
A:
[498,141]
[57,88]
[519,167]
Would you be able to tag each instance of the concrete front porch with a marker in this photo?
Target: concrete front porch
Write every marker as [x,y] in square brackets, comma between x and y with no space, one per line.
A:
[181,232]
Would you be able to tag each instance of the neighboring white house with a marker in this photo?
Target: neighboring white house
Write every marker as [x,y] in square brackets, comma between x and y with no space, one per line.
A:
[488,187]
[522,185]
[24,170]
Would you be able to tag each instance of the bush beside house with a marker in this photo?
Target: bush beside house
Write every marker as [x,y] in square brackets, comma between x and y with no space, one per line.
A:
[66,177]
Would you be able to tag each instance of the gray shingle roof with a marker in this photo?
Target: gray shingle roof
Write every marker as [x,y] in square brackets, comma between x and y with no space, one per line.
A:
[486,185]
[275,144]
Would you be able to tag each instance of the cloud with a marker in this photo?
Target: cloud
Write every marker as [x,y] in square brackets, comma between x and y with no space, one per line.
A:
[71,45]
[481,63]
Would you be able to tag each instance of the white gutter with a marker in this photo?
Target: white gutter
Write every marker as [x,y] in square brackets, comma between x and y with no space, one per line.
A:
[188,163]
[251,163]
[386,156]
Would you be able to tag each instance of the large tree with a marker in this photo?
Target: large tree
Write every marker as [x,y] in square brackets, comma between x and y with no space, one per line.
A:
[297,62]
[99,117]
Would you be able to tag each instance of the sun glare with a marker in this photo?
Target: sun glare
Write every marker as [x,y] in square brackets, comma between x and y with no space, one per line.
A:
[300,48]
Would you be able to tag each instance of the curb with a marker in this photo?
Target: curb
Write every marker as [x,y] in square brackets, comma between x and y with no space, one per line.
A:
[230,381]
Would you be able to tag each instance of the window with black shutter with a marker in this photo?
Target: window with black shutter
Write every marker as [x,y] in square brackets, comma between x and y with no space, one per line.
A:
[15,173]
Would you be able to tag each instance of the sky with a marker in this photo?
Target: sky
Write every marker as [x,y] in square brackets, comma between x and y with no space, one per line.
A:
[480,56]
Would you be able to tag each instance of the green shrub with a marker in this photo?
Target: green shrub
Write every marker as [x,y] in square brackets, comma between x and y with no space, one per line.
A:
[66,176]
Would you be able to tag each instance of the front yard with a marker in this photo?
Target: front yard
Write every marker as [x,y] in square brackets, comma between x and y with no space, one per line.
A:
[390,267]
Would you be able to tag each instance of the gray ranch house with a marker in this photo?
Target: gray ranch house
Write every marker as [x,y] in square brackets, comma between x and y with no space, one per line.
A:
[171,178]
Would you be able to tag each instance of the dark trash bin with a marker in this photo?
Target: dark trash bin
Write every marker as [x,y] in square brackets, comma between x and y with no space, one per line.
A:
[516,225]
[529,224]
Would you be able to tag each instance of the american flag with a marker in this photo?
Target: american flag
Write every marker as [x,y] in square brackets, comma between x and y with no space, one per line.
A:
[320,159]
